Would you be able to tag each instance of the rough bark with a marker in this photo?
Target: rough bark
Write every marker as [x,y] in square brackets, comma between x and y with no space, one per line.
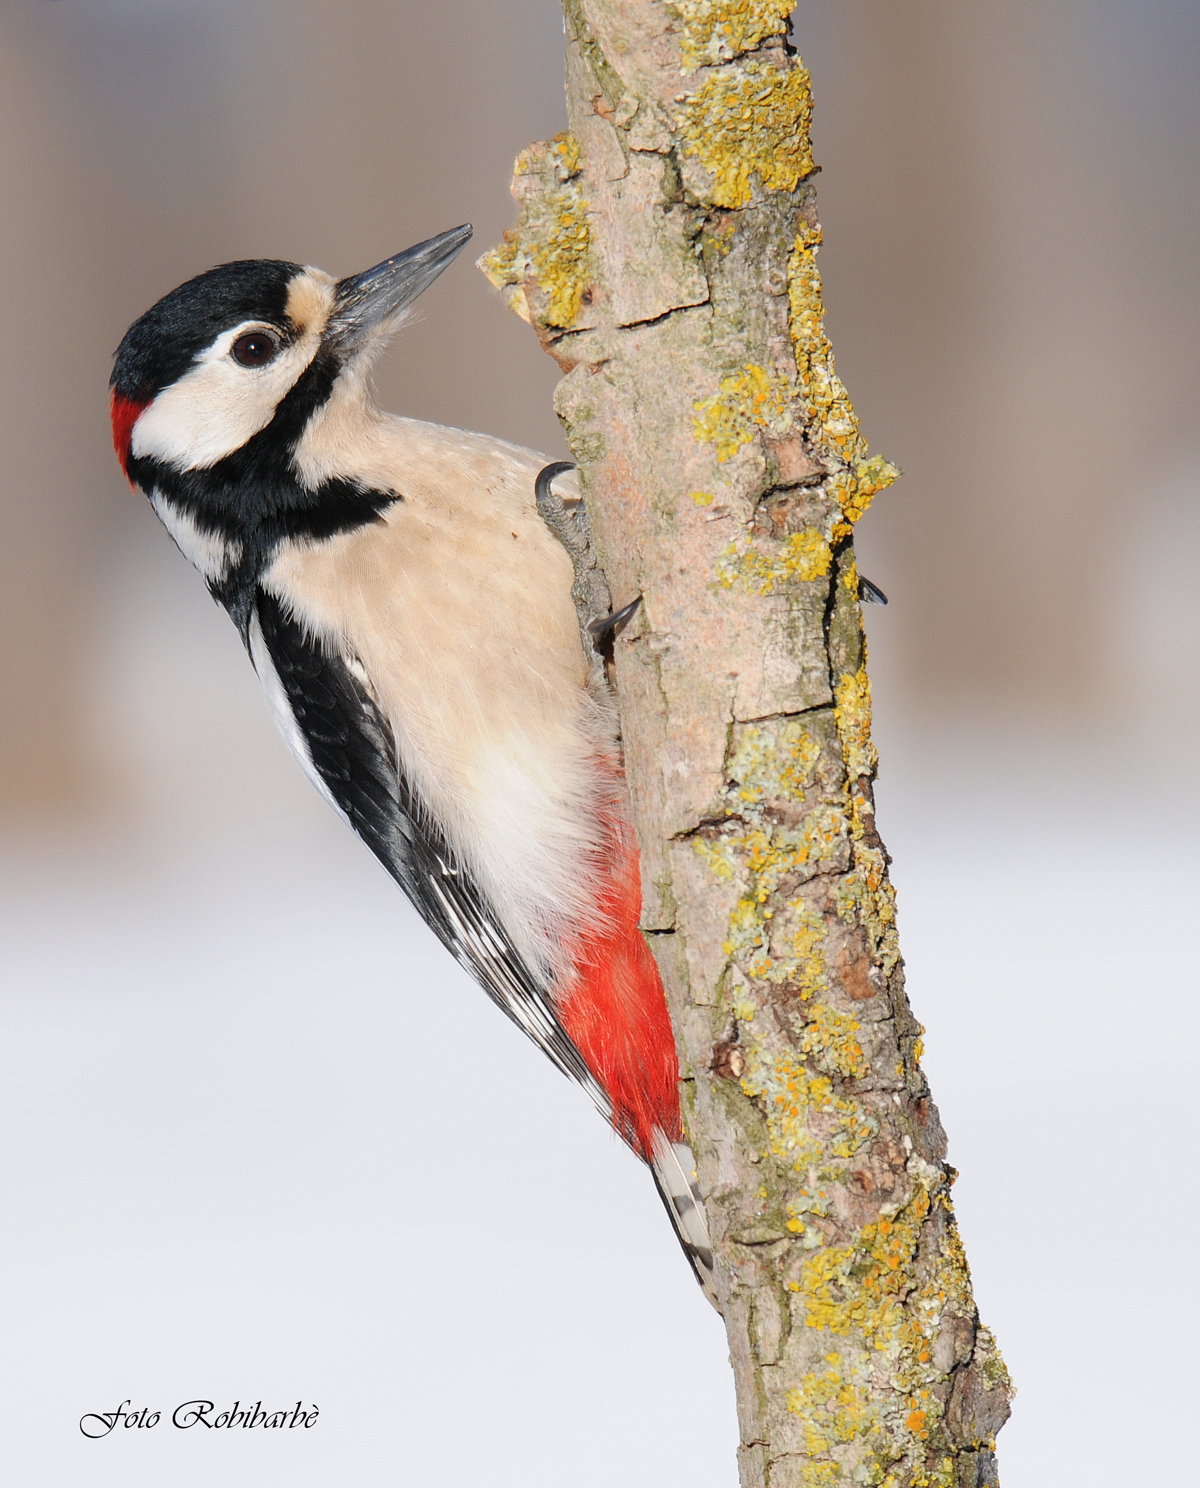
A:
[666,257]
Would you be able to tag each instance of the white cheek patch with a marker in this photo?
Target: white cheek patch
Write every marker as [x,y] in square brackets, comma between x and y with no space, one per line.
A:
[218,405]
[211,553]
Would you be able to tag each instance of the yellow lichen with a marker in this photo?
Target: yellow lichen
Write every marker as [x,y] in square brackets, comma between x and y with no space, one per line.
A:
[824,393]
[866,896]
[859,1287]
[869,1292]
[747,122]
[828,1039]
[799,559]
[719,236]
[702,498]
[823,390]
[769,766]
[771,851]
[789,1094]
[720,853]
[804,951]
[853,715]
[552,241]
[779,763]
[714,31]
[744,403]
[855,488]
[768,857]
[744,1010]
[836,1406]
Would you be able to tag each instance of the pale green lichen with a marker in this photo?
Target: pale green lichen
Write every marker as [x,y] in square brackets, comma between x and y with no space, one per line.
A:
[789,1094]
[769,766]
[837,1407]
[779,764]
[551,244]
[744,403]
[714,31]
[800,558]
[807,1202]
[750,122]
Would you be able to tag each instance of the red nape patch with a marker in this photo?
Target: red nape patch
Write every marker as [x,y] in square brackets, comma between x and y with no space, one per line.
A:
[615,1013]
[125,413]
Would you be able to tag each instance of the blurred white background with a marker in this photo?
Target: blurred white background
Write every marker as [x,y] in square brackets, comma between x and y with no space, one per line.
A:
[238,1161]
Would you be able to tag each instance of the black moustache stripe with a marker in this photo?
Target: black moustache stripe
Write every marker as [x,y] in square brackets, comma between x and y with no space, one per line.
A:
[254,497]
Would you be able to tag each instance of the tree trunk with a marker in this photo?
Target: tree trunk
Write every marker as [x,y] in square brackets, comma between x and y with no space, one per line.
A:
[666,256]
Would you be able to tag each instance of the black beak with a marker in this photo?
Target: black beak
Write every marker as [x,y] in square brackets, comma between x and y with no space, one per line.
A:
[368,302]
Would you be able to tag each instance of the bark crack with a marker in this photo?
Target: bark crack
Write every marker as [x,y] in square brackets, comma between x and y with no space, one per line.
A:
[656,320]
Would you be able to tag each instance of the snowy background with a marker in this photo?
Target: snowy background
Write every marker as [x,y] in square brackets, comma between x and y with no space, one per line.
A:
[233,1165]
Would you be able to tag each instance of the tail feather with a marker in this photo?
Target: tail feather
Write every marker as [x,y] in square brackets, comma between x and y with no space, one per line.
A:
[674,1170]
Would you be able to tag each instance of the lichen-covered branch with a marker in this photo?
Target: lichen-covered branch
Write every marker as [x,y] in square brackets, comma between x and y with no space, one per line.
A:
[667,258]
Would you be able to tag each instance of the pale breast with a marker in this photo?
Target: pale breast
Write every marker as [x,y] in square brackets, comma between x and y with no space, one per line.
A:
[458,606]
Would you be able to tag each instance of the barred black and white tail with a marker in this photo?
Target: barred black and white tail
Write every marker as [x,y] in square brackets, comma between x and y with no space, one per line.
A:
[674,1170]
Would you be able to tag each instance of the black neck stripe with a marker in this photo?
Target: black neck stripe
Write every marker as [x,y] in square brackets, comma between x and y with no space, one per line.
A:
[255,496]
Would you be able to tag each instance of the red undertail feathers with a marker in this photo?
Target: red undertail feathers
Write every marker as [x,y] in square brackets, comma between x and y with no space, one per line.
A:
[615,1011]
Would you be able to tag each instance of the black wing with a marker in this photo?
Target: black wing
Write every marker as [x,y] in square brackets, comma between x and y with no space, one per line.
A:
[352,750]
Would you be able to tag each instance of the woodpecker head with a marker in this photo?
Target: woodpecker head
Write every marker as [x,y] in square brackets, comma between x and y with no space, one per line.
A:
[215,387]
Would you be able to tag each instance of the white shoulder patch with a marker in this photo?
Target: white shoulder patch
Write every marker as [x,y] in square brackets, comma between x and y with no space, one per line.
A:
[211,553]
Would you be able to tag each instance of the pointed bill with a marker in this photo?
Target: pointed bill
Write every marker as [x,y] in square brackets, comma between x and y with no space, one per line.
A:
[369,303]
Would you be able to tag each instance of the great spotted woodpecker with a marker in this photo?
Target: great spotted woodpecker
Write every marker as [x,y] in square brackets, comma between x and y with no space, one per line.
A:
[405,594]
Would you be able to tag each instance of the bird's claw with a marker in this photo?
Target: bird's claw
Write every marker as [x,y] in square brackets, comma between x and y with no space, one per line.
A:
[590,591]
[601,626]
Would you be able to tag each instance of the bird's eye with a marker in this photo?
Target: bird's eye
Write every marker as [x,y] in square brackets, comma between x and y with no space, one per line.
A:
[254,349]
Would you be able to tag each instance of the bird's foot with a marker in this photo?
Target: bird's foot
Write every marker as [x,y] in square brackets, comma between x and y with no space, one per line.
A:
[593,601]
